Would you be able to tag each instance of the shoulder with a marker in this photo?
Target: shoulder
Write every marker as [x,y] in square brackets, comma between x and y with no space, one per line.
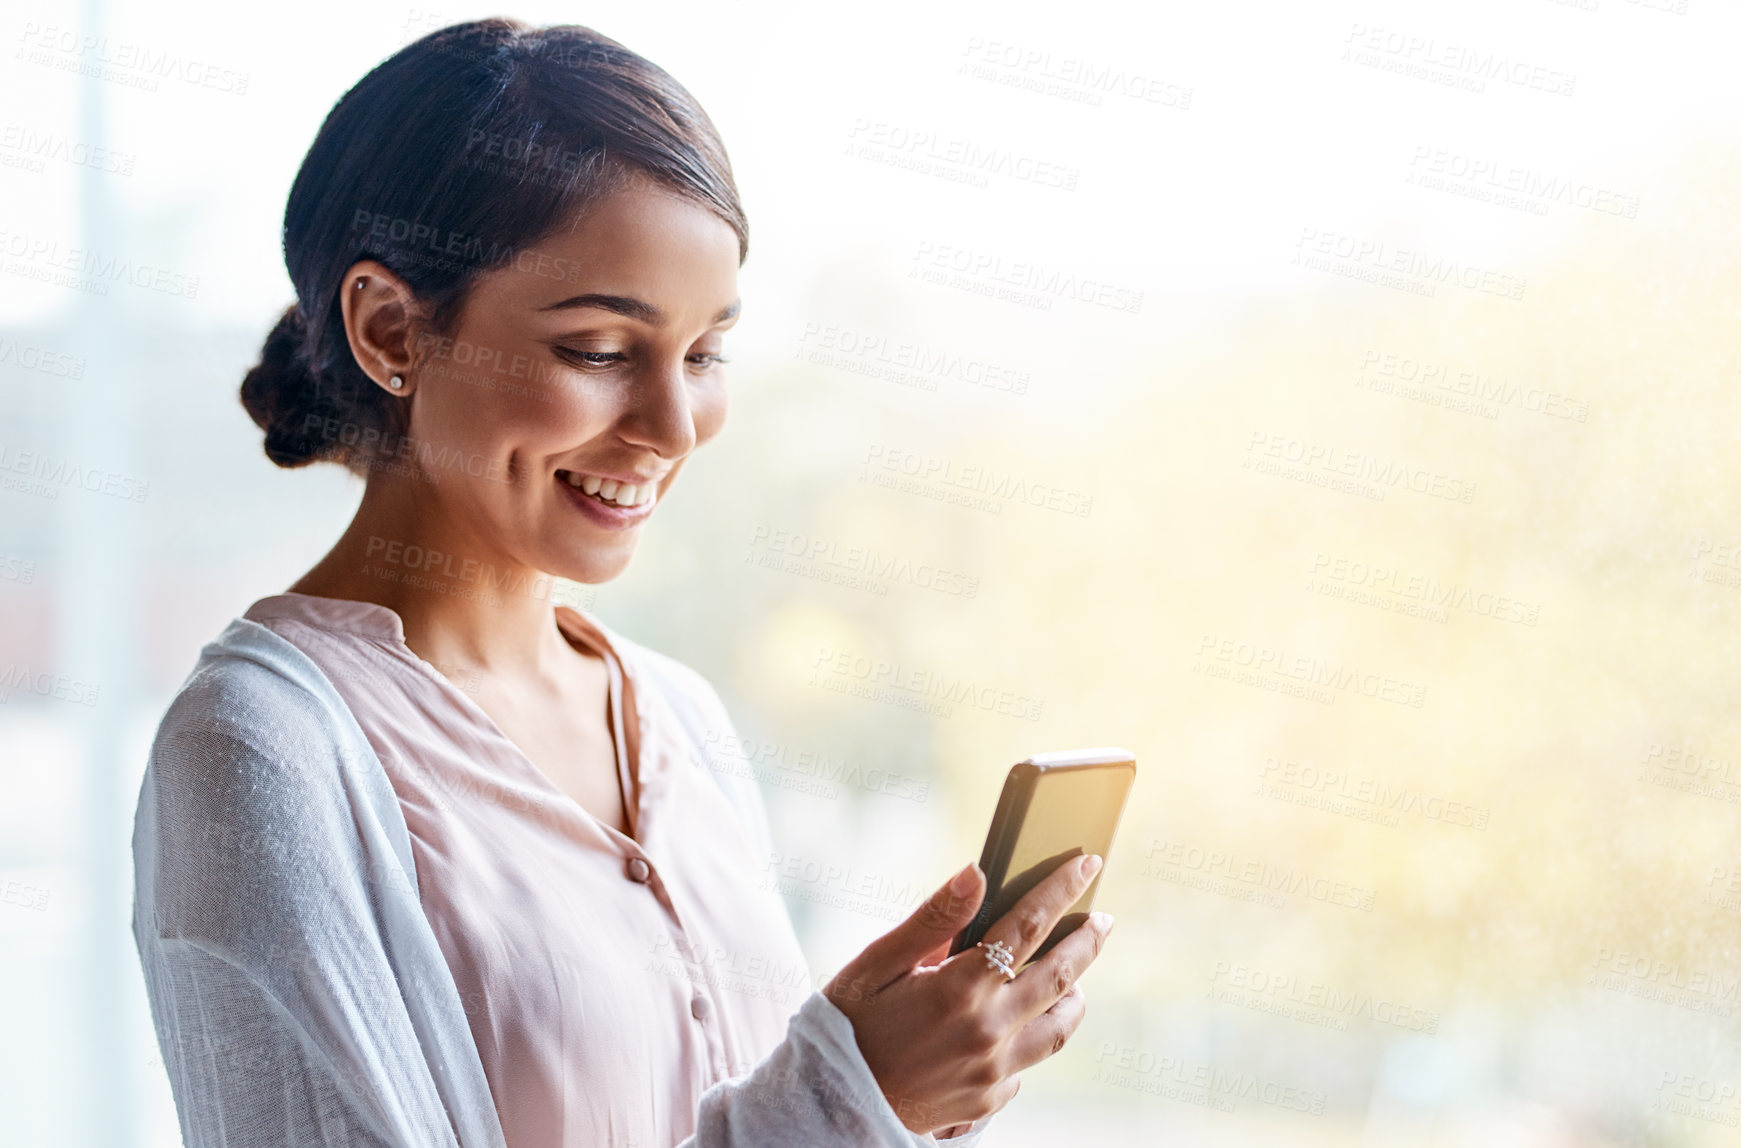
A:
[251,689]
[255,792]
[253,751]
[682,686]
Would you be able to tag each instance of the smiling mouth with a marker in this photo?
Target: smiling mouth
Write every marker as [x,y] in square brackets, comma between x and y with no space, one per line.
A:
[622,495]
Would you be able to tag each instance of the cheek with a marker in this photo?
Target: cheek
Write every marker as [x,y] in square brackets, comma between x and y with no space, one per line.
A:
[527,413]
[708,409]
[464,412]
[494,390]
[571,408]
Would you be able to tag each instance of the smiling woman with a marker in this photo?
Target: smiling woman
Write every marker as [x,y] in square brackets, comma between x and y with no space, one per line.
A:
[626,382]
[375,908]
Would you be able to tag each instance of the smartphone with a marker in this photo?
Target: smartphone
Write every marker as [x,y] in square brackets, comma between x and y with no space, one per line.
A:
[1054,806]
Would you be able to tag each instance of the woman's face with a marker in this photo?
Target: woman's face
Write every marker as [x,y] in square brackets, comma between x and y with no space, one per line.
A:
[587,365]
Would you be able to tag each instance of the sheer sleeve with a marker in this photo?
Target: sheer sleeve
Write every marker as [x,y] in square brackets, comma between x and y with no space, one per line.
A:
[271,916]
[813,1089]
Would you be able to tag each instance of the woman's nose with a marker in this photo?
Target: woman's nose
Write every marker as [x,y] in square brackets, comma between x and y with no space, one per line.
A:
[659,412]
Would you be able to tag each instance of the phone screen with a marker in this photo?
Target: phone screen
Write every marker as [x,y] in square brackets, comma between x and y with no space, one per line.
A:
[1069,812]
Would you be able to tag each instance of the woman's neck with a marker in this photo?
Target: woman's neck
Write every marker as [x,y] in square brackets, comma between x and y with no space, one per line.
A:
[461,601]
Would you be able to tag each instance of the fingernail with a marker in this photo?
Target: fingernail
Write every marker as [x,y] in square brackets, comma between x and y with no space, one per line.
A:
[1091,866]
[962,883]
[1102,922]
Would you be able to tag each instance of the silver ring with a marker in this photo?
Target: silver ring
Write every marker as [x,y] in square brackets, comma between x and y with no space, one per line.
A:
[997,956]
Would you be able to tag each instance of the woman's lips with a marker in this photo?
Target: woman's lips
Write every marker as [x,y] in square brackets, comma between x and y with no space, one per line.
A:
[603,513]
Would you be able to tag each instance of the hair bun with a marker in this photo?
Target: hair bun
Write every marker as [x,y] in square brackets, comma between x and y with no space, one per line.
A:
[454,157]
[280,392]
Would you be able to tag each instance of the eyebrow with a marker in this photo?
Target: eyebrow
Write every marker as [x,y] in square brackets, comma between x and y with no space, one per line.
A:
[631,308]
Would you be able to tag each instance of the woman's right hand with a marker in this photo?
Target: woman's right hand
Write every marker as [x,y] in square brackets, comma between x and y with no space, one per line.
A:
[946,1040]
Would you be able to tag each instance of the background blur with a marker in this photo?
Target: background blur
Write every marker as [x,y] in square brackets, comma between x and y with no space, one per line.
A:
[1335,403]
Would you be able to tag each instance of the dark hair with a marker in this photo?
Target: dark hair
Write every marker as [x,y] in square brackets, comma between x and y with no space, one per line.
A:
[460,151]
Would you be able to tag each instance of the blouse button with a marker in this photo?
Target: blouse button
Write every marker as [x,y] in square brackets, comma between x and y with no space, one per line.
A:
[701,1008]
[638,870]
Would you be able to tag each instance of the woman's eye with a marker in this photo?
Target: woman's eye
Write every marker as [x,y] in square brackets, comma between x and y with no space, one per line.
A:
[590,358]
[606,358]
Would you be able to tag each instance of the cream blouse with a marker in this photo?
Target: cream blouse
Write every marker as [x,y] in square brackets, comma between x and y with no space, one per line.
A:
[609,980]
[366,918]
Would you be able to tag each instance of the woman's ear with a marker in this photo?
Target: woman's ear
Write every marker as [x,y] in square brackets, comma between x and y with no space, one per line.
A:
[380,315]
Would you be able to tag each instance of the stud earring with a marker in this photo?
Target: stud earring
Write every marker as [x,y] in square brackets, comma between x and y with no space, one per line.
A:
[359,284]
[395,382]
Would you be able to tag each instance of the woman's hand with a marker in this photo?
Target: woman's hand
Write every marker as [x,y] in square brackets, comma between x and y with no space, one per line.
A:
[945,1041]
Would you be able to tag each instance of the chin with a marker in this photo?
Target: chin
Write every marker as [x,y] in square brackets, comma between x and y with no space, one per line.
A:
[595,569]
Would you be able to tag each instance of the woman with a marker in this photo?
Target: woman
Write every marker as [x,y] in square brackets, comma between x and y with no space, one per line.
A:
[375,908]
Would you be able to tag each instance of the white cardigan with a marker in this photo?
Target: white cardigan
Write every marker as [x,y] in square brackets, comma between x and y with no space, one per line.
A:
[299,994]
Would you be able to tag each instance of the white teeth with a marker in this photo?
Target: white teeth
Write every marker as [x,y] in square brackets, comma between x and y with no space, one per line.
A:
[625,494]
